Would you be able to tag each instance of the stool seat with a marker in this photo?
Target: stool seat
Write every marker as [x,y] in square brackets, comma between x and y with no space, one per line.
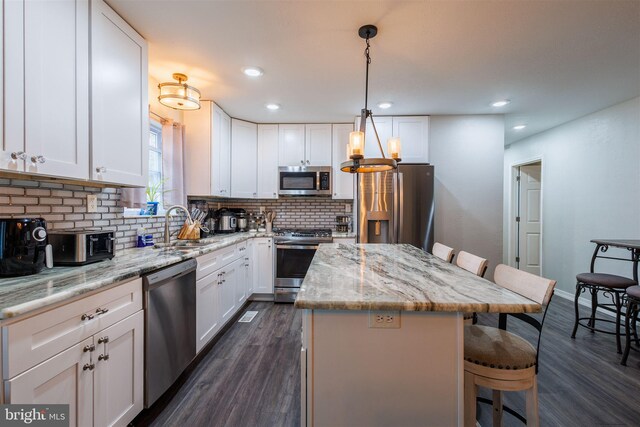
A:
[497,348]
[634,291]
[605,280]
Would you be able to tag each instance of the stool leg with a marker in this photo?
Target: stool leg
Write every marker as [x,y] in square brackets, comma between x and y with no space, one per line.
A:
[627,328]
[575,302]
[532,404]
[497,408]
[470,392]
[634,323]
[618,304]
[594,306]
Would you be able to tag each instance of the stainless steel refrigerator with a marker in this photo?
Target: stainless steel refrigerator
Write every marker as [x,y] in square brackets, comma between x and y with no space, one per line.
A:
[397,206]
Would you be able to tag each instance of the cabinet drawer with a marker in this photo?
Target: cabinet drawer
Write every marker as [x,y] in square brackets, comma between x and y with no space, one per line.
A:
[38,338]
[209,263]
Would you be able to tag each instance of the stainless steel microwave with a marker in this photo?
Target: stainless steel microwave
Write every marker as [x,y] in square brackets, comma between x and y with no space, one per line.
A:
[304,181]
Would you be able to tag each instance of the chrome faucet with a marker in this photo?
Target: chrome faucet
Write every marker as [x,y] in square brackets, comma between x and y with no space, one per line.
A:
[167,236]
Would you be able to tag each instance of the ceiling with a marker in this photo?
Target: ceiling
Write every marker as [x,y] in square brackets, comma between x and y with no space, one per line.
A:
[556,60]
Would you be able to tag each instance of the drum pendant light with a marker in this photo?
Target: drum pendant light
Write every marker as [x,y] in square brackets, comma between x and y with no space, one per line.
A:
[179,96]
[355,149]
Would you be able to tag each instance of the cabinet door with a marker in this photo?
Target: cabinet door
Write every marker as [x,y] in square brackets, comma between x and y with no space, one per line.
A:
[244,159]
[249,256]
[291,145]
[267,161]
[198,176]
[343,182]
[119,372]
[384,126]
[228,303]
[263,266]
[120,112]
[414,137]
[56,87]
[221,153]
[318,145]
[207,308]
[61,379]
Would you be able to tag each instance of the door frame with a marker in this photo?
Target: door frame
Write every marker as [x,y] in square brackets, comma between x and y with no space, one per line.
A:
[512,208]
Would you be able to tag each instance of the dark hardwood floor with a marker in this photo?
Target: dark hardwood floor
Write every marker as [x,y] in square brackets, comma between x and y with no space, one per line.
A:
[251,377]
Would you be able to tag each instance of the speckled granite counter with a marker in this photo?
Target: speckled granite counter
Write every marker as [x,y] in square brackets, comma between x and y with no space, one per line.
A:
[399,277]
[20,295]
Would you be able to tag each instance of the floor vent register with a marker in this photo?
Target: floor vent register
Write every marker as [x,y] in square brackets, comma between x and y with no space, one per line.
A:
[247,316]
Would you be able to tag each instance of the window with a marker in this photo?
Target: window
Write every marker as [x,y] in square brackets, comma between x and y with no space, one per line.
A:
[155,188]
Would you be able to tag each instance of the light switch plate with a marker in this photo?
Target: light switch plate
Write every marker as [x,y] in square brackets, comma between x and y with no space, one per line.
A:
[92,203]
[347,207]
[384,319]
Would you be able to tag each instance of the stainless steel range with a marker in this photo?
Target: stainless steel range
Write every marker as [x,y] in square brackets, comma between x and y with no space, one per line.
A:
[295,249]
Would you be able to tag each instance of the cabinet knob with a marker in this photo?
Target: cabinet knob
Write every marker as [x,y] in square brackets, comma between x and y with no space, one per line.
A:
[88,366]
[104,339]
[38,159]
[89,347]
[274,194]
[101,169]
[308,162]
[18,155]
[104,357]
[100,311]
[254,194]
[302,162]
[87,317]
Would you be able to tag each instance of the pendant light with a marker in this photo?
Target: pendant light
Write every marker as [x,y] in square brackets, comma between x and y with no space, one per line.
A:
[355,149]
[179,96]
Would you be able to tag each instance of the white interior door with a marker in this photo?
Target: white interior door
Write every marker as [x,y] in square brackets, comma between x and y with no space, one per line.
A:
[530,218]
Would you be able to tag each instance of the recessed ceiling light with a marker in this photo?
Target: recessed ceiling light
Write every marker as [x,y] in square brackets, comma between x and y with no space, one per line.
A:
[519,127]
[500,103]
[384,105]
[253,71]
[273,107]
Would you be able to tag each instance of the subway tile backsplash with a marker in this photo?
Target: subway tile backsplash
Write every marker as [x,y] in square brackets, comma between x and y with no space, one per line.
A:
[65,206]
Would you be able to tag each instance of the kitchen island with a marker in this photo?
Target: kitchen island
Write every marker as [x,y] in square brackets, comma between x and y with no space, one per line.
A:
[382,340]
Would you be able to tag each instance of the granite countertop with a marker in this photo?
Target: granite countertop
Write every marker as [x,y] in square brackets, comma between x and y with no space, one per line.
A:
[21,295]
[399,277]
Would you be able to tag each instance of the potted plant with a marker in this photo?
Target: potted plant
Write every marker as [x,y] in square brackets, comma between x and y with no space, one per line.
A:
[154,192]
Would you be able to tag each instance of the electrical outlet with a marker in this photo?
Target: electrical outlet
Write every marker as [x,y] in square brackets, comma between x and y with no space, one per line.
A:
[347,207]
[384,319]
[92,203]
[261,209]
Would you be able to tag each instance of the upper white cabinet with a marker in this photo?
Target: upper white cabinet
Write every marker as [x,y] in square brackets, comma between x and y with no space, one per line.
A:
[305,145]
[208,151]
[412,130]
[343,182]
[119,101]
[268,161]
[47,118]
[244,159]
[414,136]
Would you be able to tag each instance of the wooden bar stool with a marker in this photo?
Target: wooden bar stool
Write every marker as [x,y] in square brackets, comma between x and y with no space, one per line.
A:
[631,319]
[443,252]
[500,360]
[476,265]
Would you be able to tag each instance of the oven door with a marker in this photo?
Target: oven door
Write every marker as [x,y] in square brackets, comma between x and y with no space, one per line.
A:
[292,263]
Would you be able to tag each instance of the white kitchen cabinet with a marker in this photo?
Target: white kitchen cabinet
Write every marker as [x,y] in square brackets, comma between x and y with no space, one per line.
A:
[231,275]
[291,145]
[119,101]
[207,309]
[244,159]
[263,265]
[414,136]
[343,182]
[412,130]
[318,145]
[249,271]
[47,120]
[5,149]
[267,161]
[62,379]
[119,372]
[244,286]
[208,151]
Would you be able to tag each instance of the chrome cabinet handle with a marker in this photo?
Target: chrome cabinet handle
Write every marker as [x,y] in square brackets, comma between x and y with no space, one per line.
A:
[88,366]
[302,162]
[104,339]
[100,311]
[274,194]
[308,162]
[89,347]
[38,159]
[101,169]
[87,316]
[104,357]
[18,155]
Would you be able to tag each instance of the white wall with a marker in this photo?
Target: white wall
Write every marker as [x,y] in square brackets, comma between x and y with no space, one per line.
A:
[467,153]
[590,188]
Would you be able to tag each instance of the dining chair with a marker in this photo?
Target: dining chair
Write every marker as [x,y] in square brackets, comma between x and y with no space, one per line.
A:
[476,265]
[443,252]
[631,320]
[502,361]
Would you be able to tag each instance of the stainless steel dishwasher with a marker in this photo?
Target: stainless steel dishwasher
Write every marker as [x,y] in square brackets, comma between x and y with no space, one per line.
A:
[170,326]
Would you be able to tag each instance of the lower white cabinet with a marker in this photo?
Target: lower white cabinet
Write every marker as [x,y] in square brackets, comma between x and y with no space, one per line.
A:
[263,265]
[100,378]
[207,311]
[230,278]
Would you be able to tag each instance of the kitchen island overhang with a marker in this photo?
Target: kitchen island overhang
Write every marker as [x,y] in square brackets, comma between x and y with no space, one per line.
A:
[383,335]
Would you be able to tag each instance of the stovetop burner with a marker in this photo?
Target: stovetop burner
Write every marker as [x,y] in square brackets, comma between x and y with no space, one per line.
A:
[312,234]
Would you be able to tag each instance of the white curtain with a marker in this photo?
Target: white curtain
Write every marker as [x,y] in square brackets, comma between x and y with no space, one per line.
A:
[173,163]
